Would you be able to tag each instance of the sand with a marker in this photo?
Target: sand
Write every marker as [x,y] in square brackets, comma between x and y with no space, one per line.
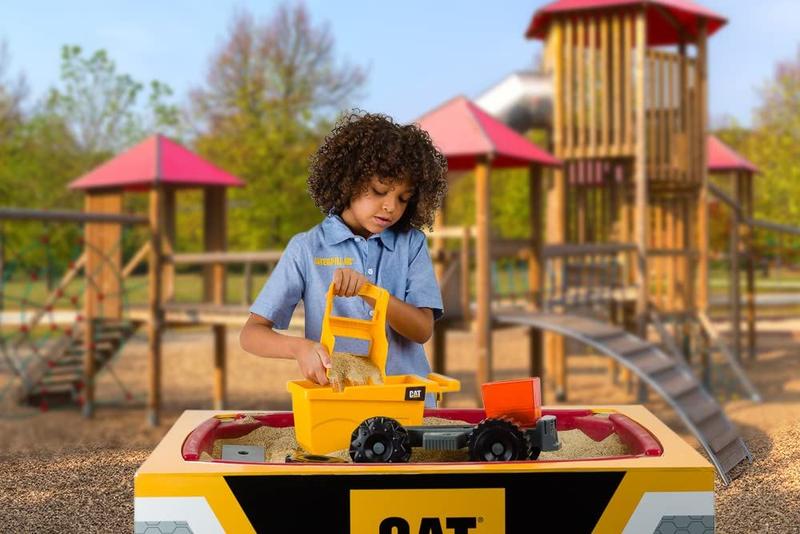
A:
[280,442]
[352,370]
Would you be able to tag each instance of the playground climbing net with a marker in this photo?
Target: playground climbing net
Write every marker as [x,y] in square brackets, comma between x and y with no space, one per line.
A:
[46,278]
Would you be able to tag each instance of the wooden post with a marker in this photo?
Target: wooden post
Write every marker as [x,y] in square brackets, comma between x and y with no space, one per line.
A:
[751,275]
[215,237]
[581,86]
[93,247]
[556,194]
[439,265]
[640,178]
[605,92]
[682,151]
[535,281]
[2,263]
[103,290]
[483,279]
[220,366]
[156,316]
[735,296]
[169,242]
[247,289]
[671,261]
[627,80]
[568,117]
[592,86]
[466,296]
[701,283]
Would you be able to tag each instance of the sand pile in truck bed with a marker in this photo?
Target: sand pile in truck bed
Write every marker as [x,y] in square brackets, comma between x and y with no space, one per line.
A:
[352,370]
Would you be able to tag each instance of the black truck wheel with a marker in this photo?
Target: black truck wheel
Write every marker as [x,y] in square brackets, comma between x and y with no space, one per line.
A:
[380,439]
[497,440]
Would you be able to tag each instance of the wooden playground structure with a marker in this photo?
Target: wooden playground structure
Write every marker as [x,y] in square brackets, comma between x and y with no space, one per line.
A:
[617,256]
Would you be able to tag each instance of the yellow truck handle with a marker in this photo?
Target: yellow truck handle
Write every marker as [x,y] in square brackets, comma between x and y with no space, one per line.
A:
[373,330]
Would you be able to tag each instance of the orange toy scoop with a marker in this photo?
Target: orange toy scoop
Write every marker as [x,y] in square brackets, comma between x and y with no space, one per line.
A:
[373,330]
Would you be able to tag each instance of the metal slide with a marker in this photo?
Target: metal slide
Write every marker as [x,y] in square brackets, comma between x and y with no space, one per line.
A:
[667,376]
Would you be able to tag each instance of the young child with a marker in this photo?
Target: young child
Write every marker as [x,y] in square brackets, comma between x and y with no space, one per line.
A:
[378,182]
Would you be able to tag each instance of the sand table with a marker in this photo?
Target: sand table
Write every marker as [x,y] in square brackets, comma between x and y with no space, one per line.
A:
[279,442]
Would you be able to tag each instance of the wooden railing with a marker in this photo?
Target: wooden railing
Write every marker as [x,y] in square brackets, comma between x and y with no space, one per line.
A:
[587,275]
[220,260]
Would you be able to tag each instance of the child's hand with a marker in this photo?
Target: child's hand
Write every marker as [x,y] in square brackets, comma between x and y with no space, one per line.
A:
[313,359]
[347,282]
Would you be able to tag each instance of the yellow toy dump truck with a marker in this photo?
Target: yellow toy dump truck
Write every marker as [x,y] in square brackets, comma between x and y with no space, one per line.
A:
[381,422]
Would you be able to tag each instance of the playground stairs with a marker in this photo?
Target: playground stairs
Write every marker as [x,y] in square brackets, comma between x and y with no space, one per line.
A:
[666,375]
[58,377]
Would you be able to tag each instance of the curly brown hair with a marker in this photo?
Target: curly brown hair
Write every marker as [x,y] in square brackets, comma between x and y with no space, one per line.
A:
[362,145]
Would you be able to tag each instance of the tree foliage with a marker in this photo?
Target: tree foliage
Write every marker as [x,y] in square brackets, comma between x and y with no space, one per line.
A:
[270,93]
[773,145]
[91,114]
[101,107]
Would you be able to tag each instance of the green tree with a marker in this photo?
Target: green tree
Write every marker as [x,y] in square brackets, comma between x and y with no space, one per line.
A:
[101,107]
[93,113]
[774,144]
[510,203]
[12,96]
[270,94]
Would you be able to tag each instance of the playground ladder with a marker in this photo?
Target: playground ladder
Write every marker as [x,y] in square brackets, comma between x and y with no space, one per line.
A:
[58,377]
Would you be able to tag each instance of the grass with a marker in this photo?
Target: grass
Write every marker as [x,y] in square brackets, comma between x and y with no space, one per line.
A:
[188,288]
[29,294]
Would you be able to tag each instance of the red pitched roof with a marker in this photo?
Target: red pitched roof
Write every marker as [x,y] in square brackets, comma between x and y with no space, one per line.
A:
[722,158]
[660,29]
[463,132]
[157,159]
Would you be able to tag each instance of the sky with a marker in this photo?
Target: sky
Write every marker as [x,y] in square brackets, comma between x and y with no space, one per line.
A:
[418,53]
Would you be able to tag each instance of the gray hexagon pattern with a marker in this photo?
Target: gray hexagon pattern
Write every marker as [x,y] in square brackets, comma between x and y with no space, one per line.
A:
[685,524]
[161,527]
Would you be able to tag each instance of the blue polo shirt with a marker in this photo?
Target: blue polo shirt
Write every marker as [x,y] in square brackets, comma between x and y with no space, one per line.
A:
[397,261]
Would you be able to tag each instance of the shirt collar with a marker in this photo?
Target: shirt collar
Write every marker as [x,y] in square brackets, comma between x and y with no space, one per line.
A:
[336,231]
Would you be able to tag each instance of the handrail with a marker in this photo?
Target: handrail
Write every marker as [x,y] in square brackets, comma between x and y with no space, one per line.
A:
[716,340]
[206,258]
[574,249]
[24,214]
[756,223]
[137,258]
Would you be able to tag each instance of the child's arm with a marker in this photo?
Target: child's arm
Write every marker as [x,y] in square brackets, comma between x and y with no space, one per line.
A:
[258,337]
[409,321]
[406,319]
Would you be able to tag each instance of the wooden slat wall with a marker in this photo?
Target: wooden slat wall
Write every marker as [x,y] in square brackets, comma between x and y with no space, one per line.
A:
[569,82]
[598,109]
[581,86]
[104,258]
[672,137]
[592,87]
[604,87]
[596,128]
[617,72]
[628,103]
[597,89]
